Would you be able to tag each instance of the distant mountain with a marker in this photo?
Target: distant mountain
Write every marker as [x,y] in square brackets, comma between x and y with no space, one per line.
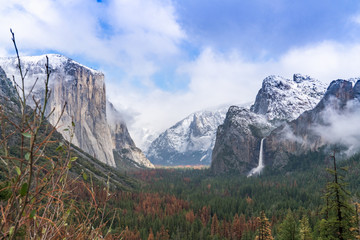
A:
[188,142]
[279,100]
[83,89]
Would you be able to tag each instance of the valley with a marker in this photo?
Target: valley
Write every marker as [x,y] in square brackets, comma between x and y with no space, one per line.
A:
[179,120]
[230,173]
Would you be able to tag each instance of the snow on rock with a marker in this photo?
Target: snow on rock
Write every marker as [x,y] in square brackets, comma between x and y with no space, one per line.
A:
[188,142]
[281,98]
[35,65]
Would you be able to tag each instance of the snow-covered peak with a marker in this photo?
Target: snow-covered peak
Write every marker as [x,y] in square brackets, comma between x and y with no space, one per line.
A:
[56,61]
[192,138]
[62,69]
[198,127]
[281,98]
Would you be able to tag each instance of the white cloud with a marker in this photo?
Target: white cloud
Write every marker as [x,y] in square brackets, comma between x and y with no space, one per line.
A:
[215,79]
[355,19]
[342,127]
[48,25]
[143,32]
[151,17]
[326,61]
[3,52]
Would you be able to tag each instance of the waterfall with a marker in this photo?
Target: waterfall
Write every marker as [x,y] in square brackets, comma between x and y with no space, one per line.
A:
[260,166]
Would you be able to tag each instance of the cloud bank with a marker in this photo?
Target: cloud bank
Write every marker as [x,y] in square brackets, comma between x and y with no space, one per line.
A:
[218,78]
[342,127]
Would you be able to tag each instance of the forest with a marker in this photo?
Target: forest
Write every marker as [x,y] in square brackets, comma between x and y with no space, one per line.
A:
[194,204]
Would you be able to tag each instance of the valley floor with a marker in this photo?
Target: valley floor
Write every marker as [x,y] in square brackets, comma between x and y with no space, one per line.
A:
[194,204]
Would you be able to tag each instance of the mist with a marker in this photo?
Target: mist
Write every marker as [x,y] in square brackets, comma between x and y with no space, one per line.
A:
[341,126]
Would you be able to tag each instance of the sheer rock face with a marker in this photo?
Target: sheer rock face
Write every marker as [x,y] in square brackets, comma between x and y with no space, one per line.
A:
[238,141]
[278,101]
[83,91]
[308,131]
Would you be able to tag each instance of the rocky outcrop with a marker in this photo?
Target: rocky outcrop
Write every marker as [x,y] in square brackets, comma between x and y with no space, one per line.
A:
[278,101]
[9,103]
[83,91]
[126,154]
[188,142]
[7,90]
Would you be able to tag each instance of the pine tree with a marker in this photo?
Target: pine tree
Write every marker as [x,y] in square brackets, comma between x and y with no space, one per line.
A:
[162,234]
[264,230]
[151,235]
[338,222]
[225,229]
[356,228]
[236,228]
[288,228]
[190,217]
[305,229]
[214,225]
[204,215]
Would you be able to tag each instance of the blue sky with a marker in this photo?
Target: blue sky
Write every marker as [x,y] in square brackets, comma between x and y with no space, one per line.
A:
[165,59]
[274,26]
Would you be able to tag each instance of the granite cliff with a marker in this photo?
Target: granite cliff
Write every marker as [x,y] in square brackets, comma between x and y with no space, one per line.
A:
[238,140]
[83,89]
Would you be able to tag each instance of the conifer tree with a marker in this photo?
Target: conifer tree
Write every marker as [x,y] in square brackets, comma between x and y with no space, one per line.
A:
[151,235]
[356,228]
[288,228]
[236,228]
[339,220]
[264,230]
[214,225]
[162,234]
[305,229]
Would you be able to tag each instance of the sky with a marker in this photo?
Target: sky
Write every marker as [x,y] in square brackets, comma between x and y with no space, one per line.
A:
[165,59]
